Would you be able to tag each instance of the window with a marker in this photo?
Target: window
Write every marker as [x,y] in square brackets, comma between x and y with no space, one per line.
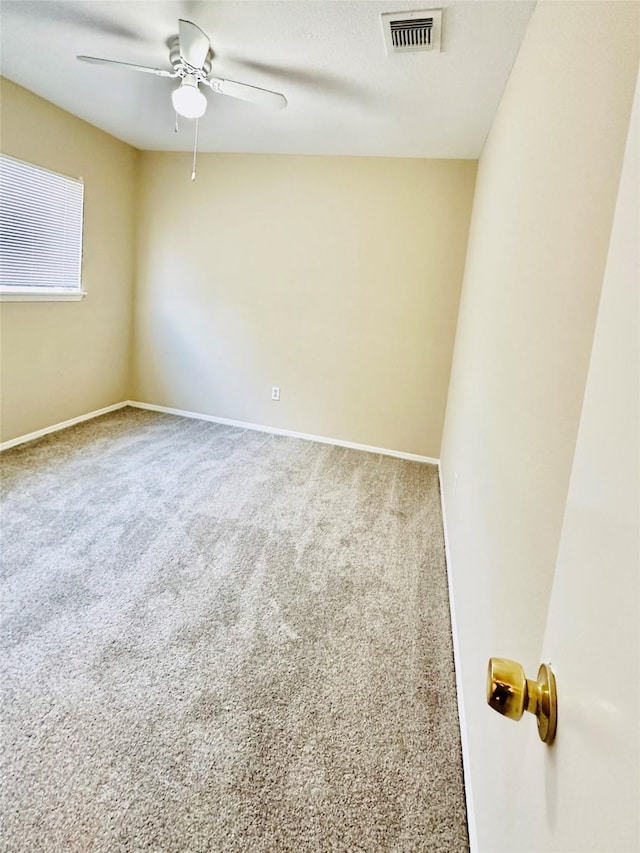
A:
[40,233]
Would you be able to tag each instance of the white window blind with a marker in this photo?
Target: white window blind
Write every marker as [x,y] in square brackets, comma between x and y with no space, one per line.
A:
[40,227]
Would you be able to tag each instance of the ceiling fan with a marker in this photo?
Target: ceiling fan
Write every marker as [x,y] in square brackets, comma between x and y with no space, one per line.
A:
[190,57]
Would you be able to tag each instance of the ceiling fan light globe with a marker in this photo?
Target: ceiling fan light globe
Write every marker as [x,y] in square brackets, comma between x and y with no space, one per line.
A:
[188,100]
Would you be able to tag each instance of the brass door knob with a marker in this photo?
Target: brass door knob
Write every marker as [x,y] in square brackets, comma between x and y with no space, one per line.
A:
[511,693]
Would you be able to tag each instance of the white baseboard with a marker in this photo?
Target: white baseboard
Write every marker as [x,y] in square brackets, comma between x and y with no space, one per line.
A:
[400,454]
[21,439]
[464,739]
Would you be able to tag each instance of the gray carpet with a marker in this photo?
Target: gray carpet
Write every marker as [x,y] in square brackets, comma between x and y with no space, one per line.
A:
[218,639]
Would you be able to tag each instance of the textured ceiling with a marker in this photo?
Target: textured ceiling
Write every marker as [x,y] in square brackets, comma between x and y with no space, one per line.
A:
[346,96]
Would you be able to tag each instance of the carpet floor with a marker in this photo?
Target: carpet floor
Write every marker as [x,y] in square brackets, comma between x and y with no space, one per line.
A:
[215,639]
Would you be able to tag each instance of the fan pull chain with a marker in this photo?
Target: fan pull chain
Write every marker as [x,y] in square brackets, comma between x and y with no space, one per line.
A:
[175,127]
[195,148]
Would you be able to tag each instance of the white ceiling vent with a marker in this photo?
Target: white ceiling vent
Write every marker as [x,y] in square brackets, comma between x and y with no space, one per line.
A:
[408,32]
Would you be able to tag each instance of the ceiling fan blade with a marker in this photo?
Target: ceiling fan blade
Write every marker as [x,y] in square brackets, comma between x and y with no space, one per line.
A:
[247,93]
[159,72]
[194,44]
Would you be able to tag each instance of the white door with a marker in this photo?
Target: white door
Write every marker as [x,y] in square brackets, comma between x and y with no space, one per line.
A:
[583,793]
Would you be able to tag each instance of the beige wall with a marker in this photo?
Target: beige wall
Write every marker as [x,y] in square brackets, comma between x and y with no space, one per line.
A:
[335,278]
[543,208]
[64,359]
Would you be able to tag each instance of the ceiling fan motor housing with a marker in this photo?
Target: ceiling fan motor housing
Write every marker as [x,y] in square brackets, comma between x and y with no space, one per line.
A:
[181,67]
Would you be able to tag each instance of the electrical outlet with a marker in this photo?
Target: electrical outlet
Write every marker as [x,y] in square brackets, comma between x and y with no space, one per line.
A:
[275,393]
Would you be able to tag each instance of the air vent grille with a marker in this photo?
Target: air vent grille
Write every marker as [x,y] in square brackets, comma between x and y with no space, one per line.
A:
[411,33]
[408,32]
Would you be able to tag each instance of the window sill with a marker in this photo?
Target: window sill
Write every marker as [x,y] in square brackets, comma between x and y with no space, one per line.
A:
[40,294]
